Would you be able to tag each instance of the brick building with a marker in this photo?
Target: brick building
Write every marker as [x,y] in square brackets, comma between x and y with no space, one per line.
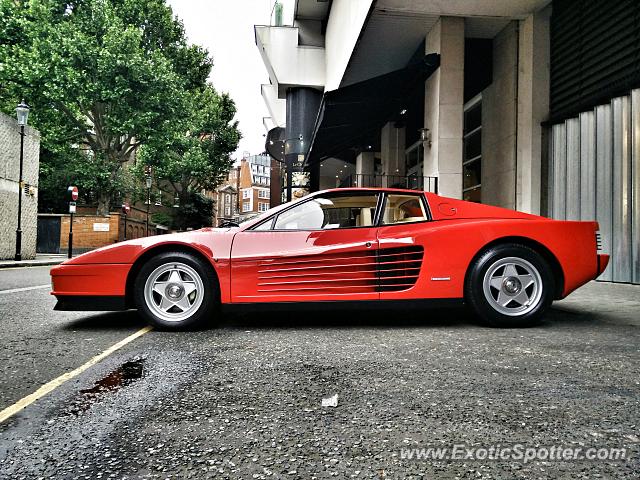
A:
[225,197]
[92,231]
[254,185]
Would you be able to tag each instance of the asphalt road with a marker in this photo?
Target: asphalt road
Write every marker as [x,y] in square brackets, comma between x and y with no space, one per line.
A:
[245,400]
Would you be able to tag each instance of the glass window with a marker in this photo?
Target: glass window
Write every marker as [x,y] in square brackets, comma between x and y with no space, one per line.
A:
[472,195]
[473,145]
[264,226]
[246,193]
[472,159]
[328,212]
[472,174]
[403,209]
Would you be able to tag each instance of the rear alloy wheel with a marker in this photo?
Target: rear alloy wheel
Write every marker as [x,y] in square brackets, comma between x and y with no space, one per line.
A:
[510,286]
[175,290]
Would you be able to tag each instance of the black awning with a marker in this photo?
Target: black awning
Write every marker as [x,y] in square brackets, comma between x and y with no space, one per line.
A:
[349,117]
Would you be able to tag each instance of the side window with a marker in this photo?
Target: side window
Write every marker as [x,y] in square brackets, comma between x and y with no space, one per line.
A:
[329,212]
[403,209]
[264,226]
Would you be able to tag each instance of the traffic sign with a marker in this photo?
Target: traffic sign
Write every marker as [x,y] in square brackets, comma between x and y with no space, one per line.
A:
[73,193]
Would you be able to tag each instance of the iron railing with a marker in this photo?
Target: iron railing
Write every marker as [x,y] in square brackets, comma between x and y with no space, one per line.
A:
[411,182]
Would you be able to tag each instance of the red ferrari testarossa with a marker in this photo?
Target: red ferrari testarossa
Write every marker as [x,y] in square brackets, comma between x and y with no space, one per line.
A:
[337,247]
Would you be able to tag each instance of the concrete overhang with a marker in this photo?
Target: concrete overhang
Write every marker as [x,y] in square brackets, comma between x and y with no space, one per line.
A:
[277,107]
[268,123]
[464,8]
[288,63]
[396,28]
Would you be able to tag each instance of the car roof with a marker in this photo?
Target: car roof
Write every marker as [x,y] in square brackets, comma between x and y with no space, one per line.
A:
[368,189]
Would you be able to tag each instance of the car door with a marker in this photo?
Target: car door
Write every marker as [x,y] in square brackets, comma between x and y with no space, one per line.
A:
[404,224]
[320,249]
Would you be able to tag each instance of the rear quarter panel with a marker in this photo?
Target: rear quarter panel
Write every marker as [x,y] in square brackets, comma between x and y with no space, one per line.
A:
[451,245]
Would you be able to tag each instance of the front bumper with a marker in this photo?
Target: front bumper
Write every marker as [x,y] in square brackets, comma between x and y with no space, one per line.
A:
[90,303]
[90,280]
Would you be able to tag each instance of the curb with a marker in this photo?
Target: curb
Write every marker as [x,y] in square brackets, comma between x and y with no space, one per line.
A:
[30,263]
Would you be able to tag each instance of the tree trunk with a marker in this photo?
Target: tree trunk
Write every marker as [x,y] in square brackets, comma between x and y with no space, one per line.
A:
[104,204]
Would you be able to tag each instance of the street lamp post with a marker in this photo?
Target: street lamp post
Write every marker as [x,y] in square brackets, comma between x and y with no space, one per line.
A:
[22,112]
[148,180]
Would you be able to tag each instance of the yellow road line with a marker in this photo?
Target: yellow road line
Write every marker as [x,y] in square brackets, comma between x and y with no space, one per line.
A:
[56,382]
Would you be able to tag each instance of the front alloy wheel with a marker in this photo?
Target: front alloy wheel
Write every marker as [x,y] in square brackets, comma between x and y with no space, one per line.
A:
[176,290]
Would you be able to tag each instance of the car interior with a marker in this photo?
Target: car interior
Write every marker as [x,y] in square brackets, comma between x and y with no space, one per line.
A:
[403,209]
[347,211]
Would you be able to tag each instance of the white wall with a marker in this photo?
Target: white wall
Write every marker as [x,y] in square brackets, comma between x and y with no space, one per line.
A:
[343,29]
[286,61]
[9,173]
[276,106]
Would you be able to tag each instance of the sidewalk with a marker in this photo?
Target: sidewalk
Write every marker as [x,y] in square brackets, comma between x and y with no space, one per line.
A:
[42,259]
[608,302]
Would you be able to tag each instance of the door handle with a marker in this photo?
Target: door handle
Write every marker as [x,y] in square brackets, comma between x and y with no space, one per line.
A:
[368,244]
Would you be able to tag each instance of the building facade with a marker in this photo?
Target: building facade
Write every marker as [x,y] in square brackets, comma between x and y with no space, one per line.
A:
[226,205]
[255,185]
[10,188]
[514,103]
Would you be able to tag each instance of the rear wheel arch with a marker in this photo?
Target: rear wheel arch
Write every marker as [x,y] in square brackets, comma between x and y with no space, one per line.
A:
[538,247]
[152,252]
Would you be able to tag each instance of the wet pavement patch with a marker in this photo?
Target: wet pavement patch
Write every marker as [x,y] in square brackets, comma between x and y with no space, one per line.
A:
[122,376]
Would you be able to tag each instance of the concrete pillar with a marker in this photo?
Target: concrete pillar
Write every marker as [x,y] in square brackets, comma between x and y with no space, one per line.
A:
[444,99]
[303,104]
[533,107]
[365,168]
[392,150]
[499,118]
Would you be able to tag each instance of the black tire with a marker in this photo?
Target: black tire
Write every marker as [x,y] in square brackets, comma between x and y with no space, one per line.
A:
[482,283]
[187,266]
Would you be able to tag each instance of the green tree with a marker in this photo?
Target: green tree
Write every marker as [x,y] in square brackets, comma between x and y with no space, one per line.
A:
[102,76]
[197,155]
[197,212]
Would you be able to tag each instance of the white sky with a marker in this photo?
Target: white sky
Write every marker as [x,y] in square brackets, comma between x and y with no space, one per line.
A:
[225,28]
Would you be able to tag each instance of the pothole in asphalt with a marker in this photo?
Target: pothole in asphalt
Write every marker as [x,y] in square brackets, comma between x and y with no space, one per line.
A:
[122,376]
